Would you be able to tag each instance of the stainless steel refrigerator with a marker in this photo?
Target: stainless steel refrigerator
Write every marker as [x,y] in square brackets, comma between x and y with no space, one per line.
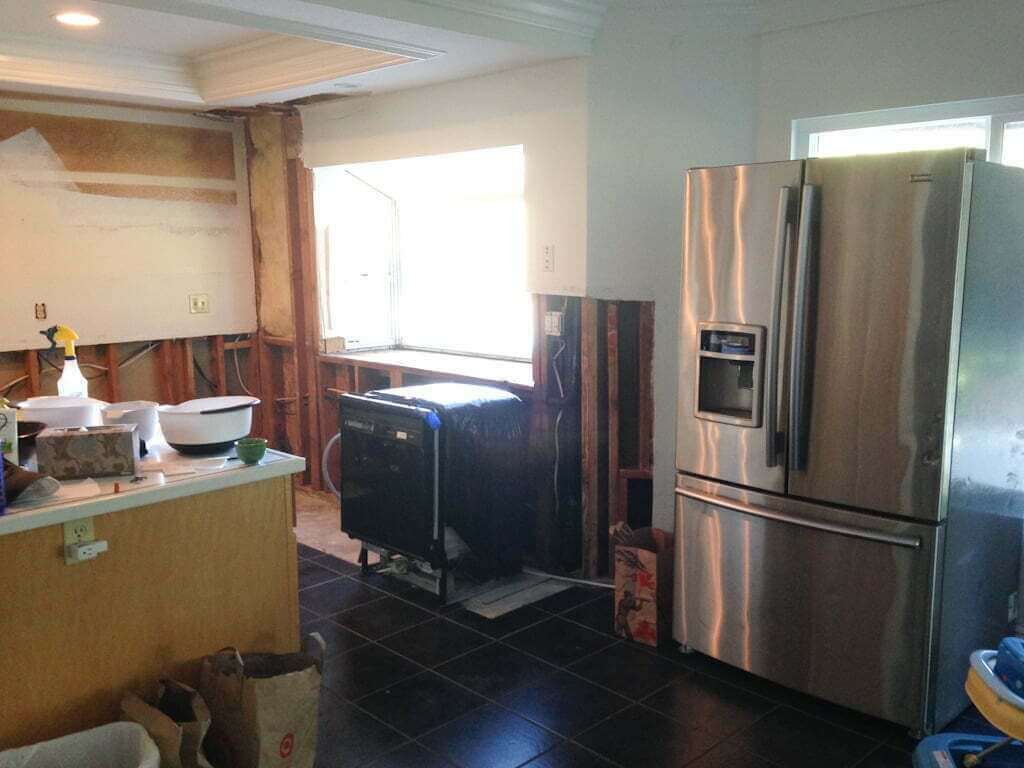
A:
[851,424]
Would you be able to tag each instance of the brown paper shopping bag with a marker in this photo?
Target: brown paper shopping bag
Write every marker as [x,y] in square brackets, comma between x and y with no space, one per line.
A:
[177,721]
[264,706]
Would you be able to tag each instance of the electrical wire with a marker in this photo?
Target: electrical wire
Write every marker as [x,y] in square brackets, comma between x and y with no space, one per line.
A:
[561,409]
[7,388]
[202,374]
[238,370]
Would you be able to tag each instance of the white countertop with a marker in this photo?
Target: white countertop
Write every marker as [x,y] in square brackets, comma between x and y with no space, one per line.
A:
[166,474]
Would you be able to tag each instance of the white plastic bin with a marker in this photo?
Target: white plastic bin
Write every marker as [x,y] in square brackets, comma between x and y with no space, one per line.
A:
[118,745]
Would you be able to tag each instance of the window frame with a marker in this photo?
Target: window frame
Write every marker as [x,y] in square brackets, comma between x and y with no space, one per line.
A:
[997,111]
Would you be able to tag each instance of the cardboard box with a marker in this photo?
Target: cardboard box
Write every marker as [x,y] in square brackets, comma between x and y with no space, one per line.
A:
[72,454]
[643,586]
[9,434]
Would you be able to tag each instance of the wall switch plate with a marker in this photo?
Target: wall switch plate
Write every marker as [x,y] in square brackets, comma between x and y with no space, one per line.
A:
[547,259]
[41,311]
[553,323]
[199,303]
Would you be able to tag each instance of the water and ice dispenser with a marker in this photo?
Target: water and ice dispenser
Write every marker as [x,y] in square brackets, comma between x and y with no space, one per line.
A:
[729,367]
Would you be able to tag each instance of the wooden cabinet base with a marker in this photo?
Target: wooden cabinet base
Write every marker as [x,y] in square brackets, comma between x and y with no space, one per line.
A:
[181,579]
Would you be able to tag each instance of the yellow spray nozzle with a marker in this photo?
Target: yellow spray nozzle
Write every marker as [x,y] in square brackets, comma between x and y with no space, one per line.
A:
[61,334]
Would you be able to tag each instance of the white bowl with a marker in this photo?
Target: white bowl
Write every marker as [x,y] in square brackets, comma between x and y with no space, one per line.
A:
[207,425]
[142,413]
[59,411]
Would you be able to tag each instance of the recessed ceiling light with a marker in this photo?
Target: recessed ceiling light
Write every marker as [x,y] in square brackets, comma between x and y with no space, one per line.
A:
[76,19]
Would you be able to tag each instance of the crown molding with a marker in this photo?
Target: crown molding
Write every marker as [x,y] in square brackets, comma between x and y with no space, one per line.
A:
[277,63]
[582,18]
[42,63]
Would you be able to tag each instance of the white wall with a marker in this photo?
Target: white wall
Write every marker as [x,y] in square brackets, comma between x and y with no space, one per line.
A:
[542,107]
[119,267]
[948,51]
[664,95]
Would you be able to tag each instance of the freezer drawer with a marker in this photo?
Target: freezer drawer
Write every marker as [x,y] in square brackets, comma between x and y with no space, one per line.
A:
[833,603]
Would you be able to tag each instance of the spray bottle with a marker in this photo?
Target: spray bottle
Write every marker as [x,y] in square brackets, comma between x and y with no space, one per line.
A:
[71,382]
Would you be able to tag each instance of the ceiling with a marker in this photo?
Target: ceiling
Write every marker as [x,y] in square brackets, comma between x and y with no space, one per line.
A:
[214,53]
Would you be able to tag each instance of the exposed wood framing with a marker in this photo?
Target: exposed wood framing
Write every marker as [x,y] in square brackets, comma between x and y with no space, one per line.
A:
[187,371]
[113,373]
[590,437]
[646,400]
[165,372]
[217,365]
[616,510]
[32,371]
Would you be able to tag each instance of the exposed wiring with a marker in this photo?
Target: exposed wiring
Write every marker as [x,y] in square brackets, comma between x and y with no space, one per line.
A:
[238,370]
[202,374]
[561,404]
[54,368]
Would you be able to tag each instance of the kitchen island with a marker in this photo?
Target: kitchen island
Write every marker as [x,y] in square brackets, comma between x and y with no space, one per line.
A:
[201,555]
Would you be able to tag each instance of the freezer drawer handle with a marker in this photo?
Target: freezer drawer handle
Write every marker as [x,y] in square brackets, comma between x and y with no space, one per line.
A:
[911,542]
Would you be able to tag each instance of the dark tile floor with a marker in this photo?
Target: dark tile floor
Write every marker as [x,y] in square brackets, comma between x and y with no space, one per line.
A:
[549,686]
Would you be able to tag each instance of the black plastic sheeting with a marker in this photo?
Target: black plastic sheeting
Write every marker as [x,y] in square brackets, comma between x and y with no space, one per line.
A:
[484,468]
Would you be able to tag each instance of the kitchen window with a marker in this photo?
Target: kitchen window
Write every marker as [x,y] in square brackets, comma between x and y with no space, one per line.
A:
[995,125]
[426,253]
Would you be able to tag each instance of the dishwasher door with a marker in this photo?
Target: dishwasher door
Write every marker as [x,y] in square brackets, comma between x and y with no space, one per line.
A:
[834,603]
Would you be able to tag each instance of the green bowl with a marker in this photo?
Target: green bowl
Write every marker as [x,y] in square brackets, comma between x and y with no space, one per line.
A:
[251,449]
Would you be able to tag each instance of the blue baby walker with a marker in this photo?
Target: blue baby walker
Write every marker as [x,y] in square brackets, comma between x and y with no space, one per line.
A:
[995,684]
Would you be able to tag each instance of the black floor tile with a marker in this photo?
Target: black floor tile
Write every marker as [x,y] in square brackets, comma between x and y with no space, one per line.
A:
[628,670]
[735,676]
[641,737]
[336,596]
[337,638]
[729,755]
[564,703]
[872,727]
[435,642]
[382,617]
[558,641]
[420,703]
[568,598]
[494,670]
[490,737]
[312,573]
[336,564]
[796,740]
[886,757]
[384,582]
[718,707]
[305,551]
[411,756]
[501,626]
[364,670]
[348,737]
[568,755]
[597,614]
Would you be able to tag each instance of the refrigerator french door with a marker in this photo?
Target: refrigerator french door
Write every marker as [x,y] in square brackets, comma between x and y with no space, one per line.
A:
[819,343]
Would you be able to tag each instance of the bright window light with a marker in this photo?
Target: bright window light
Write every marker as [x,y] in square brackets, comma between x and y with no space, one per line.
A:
[908,137]
[1013,144]
[427,253]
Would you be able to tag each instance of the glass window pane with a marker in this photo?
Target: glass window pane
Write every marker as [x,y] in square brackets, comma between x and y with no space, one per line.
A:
[907,137]
[1013,144]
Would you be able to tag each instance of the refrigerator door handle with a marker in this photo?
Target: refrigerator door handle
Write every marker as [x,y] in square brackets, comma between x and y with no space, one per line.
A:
[910,542]
[798,348]
[771,384]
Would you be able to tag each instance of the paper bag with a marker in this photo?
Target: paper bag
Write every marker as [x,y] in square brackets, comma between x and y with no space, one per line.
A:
[264,706]
[643,586]
[177,722]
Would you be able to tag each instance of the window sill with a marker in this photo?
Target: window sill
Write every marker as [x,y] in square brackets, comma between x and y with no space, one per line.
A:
[517,376]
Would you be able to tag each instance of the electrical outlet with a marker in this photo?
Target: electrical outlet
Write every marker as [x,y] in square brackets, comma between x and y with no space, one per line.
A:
[76,533]
[547,259]
[1011,608]
[553,322]
[199,303]
[41,311]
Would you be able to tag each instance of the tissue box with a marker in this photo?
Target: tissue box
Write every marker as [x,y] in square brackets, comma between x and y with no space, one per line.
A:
[9,434]
[70,454]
